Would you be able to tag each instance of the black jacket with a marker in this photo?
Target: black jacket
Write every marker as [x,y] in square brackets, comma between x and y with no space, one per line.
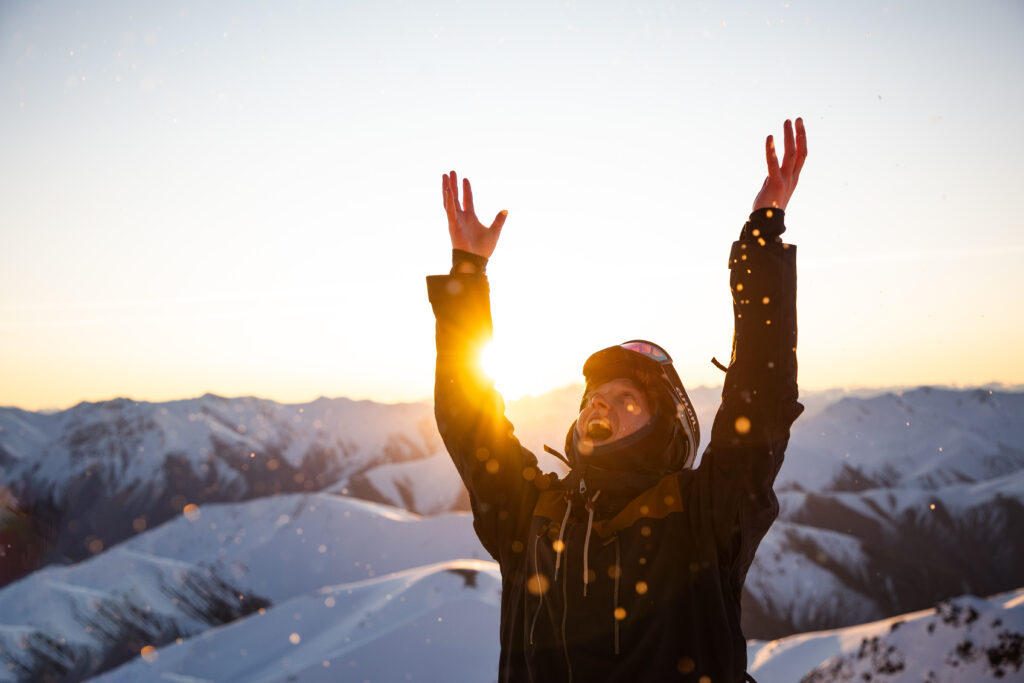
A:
[660,599]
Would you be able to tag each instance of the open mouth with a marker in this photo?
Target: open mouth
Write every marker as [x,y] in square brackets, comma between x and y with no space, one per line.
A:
[599,429]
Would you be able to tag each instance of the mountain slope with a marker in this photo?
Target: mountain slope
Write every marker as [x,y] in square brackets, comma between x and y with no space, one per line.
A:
[964,639]
[210,566]
[433,623]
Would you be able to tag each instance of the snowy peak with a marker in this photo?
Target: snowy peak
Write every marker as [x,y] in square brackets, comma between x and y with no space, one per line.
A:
[964,639]
[926,438]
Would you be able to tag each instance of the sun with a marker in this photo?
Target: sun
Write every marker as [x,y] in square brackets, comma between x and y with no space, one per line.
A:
[514,374]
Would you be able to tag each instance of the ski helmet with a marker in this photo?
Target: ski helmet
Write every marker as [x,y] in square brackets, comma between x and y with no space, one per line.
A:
[647,358]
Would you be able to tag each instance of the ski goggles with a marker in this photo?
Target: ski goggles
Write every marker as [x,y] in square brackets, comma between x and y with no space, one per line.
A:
[648,349]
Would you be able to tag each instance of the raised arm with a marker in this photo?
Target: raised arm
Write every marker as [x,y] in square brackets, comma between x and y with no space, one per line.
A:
[759,398]
[500,475]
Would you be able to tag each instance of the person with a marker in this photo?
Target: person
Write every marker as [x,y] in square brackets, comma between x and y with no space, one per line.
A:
[630,567]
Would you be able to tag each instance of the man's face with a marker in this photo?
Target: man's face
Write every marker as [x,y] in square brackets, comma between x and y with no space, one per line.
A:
[612,411]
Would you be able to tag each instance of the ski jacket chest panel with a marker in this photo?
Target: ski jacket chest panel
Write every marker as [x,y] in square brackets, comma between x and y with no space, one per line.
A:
[656,503]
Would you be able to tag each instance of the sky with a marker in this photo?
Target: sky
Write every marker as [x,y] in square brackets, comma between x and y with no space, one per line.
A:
[244,198]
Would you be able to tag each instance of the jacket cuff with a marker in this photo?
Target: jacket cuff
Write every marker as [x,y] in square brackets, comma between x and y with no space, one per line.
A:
[764,223]
[468,263]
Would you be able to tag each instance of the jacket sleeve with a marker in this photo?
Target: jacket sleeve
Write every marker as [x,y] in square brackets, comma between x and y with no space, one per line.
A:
[501,476]
[759,399]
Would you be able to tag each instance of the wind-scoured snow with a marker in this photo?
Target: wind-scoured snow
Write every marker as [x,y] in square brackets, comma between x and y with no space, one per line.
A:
[432,623]
[215,564]
[964,639]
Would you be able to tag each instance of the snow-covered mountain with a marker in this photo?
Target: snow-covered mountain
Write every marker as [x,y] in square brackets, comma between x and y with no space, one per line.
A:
[211,566]
[878,516]
[432,623]
[109,470]
[962,639]
[921,439]
[889,504]
[267,590]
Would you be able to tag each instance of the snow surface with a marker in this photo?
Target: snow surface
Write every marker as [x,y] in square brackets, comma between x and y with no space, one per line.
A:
[432,623]
[272,548]
[926,438]
[929,645]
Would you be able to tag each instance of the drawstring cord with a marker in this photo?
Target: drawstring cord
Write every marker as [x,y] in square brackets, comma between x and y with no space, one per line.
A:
[586,542]
[561,543]
[558,455]
[615,593]
[536,574]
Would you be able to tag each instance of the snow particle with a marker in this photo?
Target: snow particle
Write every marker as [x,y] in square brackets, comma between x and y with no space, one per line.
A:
[686,665]
[191,512]
[294,639]
[492,466]
[766,300]
[641,587]
[742,425]
[538,584]
[620,613]
[139,524]
[321,548]
[149,654]
[645,530]
[932,506]
[558,546]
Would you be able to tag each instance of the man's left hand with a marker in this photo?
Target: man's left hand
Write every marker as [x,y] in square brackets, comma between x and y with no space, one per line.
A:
[781,181]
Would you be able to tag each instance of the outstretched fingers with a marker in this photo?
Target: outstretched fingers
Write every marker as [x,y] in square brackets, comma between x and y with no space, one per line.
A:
[453,188]
[801,147]
[467,197]
[499,221]
[789,159]
[446,197]
[774,173]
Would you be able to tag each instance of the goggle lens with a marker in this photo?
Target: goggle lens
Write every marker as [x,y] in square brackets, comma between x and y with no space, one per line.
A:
[649,350]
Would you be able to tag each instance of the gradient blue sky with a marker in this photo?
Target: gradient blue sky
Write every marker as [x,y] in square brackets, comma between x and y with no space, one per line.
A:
[245,197]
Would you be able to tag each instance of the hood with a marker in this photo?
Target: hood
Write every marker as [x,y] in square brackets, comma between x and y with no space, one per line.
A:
[626,467]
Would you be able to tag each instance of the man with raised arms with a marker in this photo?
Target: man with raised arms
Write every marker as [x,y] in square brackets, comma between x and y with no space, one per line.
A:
[630,567]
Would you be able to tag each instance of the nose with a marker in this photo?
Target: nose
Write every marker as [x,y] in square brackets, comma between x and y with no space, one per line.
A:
[597,401]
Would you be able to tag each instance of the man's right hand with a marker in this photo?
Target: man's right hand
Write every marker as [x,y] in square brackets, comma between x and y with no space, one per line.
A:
[466,231]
